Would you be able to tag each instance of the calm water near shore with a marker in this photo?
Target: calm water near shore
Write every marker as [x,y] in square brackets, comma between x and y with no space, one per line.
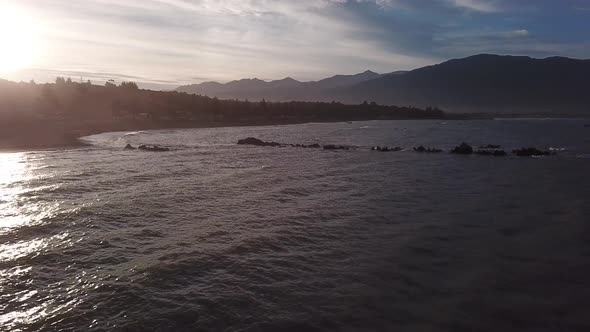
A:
[216,236]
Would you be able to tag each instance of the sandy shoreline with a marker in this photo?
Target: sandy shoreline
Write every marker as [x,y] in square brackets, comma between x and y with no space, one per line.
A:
[31,139]
[48,138]
[35,137]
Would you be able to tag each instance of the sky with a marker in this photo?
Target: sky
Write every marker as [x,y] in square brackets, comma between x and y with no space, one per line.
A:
[166,43]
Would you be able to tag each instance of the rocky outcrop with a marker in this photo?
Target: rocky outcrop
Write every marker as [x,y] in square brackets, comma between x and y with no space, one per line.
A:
[336,147]
[143,147]
[532,152]
[152,148]
[257,142]
[464,148]
[311,146]
[386,149]
[421,148]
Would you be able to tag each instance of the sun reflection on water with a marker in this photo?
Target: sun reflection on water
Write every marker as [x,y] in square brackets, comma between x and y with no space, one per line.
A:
[18,207]
[28,200]
[12,166]
[12,170]
[31,304]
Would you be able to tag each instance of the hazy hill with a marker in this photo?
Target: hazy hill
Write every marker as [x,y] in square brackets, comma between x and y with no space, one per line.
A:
[340,81]
[485,82]
[490,83]
[286,89]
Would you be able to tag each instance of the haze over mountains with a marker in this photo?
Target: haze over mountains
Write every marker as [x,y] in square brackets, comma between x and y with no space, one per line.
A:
[286,89]
[480,83]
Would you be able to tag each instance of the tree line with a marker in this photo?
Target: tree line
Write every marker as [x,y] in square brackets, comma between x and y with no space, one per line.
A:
[67,100]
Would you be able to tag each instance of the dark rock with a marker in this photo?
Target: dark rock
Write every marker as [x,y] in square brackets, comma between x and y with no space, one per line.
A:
[464,148]
[152,148]
[251,141]
[491,150]
[129,147]
[386,149]
[336,147]
[312,146]
[530,152]
[421,148]
[257,142]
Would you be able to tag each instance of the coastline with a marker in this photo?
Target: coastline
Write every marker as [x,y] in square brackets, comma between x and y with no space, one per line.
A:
[33,138]
[28,138]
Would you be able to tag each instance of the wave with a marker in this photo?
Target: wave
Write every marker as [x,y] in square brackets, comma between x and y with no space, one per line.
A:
[135,133]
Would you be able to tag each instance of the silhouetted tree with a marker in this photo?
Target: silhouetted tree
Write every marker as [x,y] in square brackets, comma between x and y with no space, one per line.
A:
[263,104]
[129,85]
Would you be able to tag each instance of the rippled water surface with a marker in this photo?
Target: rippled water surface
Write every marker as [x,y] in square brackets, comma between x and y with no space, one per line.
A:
[216,236]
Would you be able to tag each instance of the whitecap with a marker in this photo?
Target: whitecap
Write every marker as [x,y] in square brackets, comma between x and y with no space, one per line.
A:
[134,133]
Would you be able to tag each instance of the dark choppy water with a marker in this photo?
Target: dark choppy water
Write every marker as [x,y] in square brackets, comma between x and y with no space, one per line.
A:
[215,236]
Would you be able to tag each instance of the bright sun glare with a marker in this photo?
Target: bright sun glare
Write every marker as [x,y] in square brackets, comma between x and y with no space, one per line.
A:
[18,44]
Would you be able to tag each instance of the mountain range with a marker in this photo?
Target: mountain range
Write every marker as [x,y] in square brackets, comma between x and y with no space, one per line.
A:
[286,89]
[480,83]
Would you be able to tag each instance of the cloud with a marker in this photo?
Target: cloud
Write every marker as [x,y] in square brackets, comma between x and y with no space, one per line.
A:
[217,40]
[186,41]
[513,42]
[518,33]
[385,4]
[485,6]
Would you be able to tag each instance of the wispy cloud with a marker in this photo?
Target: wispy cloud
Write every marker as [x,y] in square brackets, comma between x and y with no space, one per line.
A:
[486,6]
[219,40]
[518,33]
[176,41]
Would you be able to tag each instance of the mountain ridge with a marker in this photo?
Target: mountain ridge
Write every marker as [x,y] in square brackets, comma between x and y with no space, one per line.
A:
[478,83]
[485,82]
[274,90]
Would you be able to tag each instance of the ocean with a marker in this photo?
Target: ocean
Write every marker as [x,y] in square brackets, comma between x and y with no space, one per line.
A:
[215,236]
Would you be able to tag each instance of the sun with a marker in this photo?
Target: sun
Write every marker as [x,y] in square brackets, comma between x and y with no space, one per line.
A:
[18,42]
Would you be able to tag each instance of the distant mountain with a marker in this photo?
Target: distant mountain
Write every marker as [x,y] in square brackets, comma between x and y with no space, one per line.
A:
[340,81]
[286,89]
[480,83]
[485,83]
